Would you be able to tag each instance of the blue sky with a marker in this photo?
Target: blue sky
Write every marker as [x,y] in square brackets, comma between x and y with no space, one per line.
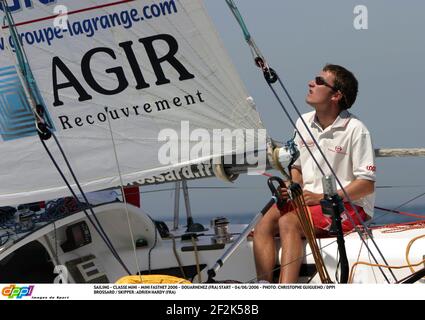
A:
[298,37]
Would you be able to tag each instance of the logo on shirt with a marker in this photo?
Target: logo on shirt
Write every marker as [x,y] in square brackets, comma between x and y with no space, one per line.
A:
[338,149]
[371,168]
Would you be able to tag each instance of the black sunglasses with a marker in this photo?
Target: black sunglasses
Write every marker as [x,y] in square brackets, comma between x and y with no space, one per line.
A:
[321,82]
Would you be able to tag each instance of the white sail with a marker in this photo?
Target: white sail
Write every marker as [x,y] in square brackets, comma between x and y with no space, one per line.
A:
[136,67]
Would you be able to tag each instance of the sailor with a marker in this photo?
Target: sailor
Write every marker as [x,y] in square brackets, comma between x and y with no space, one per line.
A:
[346,143]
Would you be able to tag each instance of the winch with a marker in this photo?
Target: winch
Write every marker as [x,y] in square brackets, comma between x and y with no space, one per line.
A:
[221,229]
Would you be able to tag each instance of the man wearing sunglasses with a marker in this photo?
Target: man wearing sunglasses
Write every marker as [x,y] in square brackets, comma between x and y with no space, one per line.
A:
[346,143]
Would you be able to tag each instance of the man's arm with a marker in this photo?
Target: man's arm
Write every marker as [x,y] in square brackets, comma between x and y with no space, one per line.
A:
[357,189]
[297,176]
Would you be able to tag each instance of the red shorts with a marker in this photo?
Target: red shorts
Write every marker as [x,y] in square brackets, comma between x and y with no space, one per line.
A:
[323,222]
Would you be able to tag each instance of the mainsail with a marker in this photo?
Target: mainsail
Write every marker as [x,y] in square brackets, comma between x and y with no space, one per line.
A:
[124,69]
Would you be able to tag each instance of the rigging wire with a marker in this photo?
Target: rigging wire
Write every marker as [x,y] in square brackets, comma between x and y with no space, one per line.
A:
[390,211]
[97,226]
[44,131]
[411,200]
[25,73]
[239,18]
[150,251]
[133,243]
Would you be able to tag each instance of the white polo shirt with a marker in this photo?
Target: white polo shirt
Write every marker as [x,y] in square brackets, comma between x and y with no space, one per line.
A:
[348,147]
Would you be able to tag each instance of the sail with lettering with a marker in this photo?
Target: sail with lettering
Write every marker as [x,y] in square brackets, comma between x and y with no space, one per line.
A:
[117,80]
[143,92]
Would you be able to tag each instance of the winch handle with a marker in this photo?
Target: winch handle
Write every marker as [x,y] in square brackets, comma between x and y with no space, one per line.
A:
[280,202]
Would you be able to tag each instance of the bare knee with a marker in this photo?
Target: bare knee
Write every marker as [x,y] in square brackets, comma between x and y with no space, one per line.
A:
[267,226]
[263,228]
[289,224]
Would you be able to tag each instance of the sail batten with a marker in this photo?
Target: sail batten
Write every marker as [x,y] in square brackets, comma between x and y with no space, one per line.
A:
[135,68]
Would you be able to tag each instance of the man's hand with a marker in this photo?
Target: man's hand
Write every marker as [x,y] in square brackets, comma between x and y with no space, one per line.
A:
[283,192]
[311,198]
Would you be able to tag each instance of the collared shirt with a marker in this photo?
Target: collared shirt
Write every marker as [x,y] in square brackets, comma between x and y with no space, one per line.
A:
[347,146]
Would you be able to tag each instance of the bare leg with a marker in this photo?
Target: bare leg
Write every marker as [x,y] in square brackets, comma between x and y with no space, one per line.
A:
[292,247]
[264,246]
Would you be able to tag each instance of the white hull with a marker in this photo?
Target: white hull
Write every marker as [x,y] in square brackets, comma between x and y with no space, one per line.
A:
[239,267]
[392,245]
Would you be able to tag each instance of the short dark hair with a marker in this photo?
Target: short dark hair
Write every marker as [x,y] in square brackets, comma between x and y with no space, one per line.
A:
[346,82]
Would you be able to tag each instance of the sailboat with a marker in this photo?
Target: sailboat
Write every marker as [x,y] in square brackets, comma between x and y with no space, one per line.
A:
[97,95]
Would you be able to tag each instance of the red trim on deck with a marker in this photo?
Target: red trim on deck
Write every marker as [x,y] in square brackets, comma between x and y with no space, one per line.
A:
[132,195]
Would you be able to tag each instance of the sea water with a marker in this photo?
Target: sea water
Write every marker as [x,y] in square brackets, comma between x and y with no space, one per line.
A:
[380,217]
